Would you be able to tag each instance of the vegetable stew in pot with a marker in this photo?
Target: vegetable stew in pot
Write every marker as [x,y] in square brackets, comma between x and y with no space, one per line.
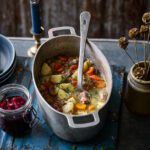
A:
[58,81]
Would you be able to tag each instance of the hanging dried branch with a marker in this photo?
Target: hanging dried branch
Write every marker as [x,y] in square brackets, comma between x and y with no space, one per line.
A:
[140,72]
[123,43]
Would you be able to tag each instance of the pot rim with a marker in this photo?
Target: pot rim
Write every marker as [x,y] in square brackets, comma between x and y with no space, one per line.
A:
[132,75]
[37,89]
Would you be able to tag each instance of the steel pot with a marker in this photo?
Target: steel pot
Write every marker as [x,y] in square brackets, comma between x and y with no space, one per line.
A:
[71,127]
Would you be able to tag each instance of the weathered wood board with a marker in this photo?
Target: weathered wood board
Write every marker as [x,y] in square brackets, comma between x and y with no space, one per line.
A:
[110,18]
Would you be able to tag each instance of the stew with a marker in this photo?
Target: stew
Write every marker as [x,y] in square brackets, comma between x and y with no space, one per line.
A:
[58,81]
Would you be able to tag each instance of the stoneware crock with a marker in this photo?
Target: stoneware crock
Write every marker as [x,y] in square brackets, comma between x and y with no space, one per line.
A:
[71,127]
[137,96]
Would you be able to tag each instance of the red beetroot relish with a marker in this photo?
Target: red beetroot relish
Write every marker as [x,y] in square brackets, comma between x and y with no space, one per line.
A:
[15,110]
[12,103]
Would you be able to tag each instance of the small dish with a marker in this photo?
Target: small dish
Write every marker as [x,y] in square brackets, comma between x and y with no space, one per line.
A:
[7,55]
[9,73]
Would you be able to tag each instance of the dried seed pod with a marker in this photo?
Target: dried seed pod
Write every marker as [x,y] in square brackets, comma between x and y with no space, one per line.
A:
[146,18]
[139,72]
[123,42]
[144,29]
[133,33]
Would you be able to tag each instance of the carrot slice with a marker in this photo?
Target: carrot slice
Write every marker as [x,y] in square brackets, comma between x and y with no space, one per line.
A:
[60,70]
[80,106]
[73,81]
[90,71]
[73,67]
[101,84]
[95,77]
[91,107]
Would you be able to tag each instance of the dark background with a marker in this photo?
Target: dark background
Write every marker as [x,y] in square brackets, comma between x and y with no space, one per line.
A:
[110,18]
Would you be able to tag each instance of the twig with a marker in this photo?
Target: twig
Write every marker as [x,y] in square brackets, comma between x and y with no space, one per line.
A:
[129,56]
[135,45]
[144,45]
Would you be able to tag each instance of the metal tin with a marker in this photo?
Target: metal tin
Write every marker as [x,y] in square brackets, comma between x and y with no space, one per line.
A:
[71,127]
[137,97]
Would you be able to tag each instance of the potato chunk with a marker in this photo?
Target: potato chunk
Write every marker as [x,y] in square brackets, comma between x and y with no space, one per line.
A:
[56,78]
[75,75]
[67,87]
[46,69]
[62,94]
[68,107]
[100,104]
[72,99]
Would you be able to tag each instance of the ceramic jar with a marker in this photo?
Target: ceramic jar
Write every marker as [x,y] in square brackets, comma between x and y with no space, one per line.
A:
[137,96]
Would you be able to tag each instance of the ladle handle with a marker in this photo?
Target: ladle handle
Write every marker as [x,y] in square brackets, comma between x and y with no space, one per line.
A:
[84,25]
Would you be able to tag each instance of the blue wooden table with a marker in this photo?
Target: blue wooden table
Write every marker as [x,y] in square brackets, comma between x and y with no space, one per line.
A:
[115,133]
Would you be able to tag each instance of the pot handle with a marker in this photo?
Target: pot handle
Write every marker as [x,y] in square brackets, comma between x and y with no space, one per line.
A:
[79,124]
[61,31]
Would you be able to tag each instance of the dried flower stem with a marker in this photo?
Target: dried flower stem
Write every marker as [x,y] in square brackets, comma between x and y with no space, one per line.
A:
[144,45]
[129,56]
[135,45]
[147,50]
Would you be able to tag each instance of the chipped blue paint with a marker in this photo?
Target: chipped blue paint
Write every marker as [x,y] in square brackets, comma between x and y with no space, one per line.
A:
[6,141]
[41,137]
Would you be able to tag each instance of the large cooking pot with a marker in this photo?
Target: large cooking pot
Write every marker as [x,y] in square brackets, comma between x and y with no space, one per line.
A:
[71,127]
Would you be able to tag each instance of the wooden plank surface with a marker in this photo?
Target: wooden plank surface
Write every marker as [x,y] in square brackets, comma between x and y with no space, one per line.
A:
[134,132]
[110,18]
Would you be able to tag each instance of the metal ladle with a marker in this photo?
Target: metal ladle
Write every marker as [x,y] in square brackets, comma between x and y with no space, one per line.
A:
[84,25]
